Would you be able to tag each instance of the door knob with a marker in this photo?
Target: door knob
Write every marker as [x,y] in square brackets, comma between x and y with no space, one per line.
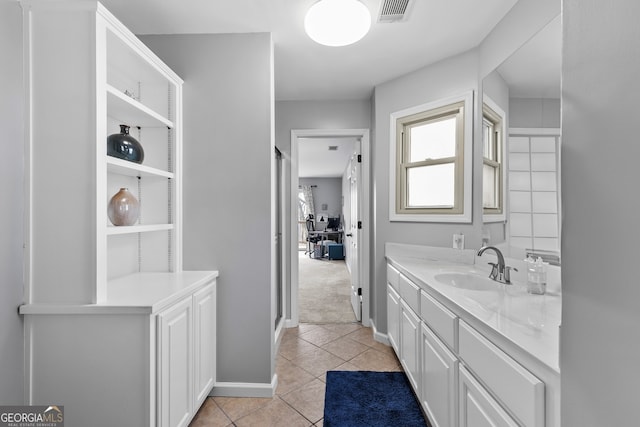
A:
[349,234]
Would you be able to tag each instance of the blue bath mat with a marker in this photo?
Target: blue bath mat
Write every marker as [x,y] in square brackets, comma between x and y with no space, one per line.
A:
[364,398]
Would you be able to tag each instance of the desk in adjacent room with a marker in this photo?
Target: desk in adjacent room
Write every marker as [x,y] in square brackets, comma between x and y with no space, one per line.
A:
[324,236]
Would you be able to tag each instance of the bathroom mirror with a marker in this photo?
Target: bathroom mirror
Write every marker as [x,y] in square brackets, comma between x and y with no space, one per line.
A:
[521,161]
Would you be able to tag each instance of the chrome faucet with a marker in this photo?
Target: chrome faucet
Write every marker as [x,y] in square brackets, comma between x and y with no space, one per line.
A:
[499,272]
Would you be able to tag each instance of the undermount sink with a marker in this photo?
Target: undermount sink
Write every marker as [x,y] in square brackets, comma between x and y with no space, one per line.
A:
[472,282]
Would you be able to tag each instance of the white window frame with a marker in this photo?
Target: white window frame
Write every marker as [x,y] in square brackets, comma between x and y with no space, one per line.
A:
[498,216]
[467,160]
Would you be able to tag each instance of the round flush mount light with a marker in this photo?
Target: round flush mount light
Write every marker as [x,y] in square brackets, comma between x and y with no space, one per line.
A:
[337,22]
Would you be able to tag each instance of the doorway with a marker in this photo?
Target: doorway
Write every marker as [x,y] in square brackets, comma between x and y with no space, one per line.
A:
[357,243]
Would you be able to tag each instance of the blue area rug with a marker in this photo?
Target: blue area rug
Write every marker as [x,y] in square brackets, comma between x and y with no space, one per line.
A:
[363,398]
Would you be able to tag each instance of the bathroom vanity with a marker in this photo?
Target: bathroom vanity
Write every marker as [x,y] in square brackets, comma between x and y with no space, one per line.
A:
[476,352]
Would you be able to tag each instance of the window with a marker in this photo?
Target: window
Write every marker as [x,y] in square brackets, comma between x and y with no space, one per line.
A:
[431,150]
[492,161]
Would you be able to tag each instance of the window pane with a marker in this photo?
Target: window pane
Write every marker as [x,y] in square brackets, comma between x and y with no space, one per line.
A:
[489,186]
[487,130]
[433,140]
[431,186]
[487,140]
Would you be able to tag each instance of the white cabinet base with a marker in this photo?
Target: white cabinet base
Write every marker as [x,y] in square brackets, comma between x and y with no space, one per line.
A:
[175,365]
[439,380]
[123,365]
[477,407]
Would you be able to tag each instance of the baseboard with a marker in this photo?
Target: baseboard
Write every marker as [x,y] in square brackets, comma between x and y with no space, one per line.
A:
[228,389]
[289,323]
[379,337]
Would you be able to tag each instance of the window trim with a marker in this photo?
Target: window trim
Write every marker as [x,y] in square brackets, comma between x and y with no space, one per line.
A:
[490,214]
[464,191]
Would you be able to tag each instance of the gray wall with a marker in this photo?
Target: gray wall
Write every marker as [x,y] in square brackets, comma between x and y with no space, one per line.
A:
[534,113]
[12,211]
[446,78]
[326,191]
[600,337]
[227,186]
[341,114]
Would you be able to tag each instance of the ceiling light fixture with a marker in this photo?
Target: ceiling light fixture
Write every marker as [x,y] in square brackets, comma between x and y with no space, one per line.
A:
[337,22]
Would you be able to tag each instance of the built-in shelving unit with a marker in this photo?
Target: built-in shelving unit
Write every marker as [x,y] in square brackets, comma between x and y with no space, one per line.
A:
[128,109]
[108,305]
[141,92]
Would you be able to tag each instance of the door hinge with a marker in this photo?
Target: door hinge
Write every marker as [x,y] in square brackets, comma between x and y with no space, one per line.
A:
[359,158]
[359,291]
[359,225]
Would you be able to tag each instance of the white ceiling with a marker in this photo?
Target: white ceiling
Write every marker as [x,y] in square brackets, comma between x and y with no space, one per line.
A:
[315,160]
[305,70]
[533,71]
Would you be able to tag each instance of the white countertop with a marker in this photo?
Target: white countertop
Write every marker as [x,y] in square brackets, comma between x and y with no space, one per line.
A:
[140,293]
[530,322]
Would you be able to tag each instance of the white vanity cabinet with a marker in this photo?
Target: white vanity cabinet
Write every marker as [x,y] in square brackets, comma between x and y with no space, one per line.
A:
[477,407]
[410,344]
[404,323]
[393,317]
[462,376]
[520,392]
[439,363]
[439,380]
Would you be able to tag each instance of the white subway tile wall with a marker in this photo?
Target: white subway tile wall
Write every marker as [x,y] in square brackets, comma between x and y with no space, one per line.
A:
[533,192]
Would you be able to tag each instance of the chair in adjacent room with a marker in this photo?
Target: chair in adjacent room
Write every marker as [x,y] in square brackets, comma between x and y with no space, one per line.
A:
[312,239]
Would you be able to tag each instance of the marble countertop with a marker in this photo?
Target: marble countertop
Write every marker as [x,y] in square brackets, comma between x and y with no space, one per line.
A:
[530,322]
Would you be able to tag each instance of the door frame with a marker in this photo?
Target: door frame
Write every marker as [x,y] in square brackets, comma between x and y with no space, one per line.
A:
[364,196]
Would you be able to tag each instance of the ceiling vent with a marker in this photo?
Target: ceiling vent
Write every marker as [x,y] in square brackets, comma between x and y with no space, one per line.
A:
[333,148]
[394,10]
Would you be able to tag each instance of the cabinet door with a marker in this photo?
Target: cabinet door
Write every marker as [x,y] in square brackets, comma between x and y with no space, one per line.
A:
[410,344]
[477,407]
[204,323]
[439,380]
[393,317]
[175,370]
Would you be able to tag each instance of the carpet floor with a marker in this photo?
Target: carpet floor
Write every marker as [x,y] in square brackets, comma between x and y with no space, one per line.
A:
[324,291]
[370,399]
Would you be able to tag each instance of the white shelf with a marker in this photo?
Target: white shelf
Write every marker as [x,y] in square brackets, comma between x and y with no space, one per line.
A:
[124,167]
[132,112]
[113,230]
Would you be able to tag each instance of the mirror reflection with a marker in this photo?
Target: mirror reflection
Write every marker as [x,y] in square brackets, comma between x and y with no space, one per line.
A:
[522,159]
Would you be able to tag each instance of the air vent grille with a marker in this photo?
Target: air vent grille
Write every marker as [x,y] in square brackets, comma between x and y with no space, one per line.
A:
[333,148]
[394,10]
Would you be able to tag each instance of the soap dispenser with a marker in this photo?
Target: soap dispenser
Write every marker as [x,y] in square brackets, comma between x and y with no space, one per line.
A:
[536,276]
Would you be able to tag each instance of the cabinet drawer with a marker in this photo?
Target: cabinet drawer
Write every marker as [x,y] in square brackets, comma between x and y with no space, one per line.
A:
[442,321]
[393,276]
[519,391]
[410,293]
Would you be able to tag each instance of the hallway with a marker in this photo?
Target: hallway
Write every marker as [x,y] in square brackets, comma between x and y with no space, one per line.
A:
[324,291]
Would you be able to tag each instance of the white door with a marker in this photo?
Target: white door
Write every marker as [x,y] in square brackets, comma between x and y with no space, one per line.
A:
[352,236]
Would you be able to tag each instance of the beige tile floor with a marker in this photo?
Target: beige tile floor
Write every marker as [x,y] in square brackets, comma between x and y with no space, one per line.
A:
[306,354]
